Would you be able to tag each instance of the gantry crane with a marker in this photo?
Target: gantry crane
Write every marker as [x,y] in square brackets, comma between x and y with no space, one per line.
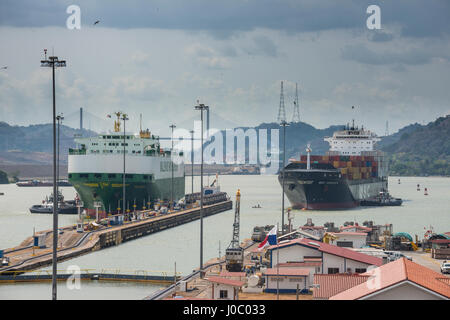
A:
[234,254]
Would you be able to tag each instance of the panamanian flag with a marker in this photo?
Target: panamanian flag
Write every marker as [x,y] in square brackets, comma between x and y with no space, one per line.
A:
[271,239]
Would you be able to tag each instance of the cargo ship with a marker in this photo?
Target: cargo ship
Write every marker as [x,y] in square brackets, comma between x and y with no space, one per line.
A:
[96,167]
[350,172]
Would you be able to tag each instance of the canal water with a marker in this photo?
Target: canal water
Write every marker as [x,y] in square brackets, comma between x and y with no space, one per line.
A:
[158,253]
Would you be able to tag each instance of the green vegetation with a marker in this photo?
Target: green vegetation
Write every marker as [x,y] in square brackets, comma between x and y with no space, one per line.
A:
[403,164]
[3,177]
[423,151]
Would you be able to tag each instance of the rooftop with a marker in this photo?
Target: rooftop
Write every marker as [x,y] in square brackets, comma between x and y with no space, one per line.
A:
[232,274]
[357,227]
[220,280]
[394,273]
[332,284]
[300,264]
[334,250]
[345,233]
[286,272]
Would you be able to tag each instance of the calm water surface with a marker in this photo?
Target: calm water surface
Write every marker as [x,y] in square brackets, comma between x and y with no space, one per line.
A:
[159,252]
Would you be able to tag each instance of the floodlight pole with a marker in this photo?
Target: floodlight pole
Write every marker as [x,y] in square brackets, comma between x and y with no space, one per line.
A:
[201,107]
[284,124]
[60,118]
[192,162]
[172,126]
[124,118]
[53,63]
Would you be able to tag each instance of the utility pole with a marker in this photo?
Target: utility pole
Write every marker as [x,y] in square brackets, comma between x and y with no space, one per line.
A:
[172,126]
[53,63]
[284,124]
[192,161]
[201,107]
[59,118]
[124,118]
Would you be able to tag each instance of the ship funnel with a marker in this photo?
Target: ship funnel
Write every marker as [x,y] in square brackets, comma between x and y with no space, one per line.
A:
[308,160]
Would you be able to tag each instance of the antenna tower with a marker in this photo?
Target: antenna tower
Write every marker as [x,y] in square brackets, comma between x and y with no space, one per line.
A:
[281,110]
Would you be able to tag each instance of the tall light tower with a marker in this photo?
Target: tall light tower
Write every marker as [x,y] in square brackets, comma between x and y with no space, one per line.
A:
[201,107]
[172,126]
[192,161]
[284,124]
[53,62]
[59,118]
[124,118]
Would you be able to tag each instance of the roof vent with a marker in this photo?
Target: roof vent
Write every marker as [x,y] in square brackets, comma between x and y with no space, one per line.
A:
[314,244]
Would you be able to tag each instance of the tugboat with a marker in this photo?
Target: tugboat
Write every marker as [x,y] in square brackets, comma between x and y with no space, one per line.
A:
[64,207]
[383,199]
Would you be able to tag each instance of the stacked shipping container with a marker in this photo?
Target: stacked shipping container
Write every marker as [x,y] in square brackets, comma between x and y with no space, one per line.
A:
[352,167]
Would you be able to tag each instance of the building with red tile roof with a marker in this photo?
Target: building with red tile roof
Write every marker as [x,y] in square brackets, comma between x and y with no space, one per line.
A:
[334,259]
[224,288]
[328,285]
[357,228]
[399,280]
[233,275]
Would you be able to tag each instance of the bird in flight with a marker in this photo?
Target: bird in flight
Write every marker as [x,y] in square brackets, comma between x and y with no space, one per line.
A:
[96,22]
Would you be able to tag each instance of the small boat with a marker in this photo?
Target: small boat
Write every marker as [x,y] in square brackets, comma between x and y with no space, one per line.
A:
[257,206]
[383,199]
[2,194]
[64,207]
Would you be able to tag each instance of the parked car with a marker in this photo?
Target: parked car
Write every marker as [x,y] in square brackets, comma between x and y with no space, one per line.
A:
[445,267]
[394,255]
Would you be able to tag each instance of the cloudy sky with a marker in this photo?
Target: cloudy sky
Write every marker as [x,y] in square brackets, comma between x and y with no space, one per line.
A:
[159,57]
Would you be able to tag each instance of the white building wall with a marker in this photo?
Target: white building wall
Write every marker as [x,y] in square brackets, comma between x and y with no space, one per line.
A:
[332,261]
[405,291]
[357,240]
[288,282]
[295,253]
[217,288]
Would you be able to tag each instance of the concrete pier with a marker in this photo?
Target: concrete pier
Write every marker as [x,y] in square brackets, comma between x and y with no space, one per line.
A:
[72,244]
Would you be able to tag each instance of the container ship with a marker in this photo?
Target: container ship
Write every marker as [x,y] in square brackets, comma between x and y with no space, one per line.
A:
[96,167]
[351,171]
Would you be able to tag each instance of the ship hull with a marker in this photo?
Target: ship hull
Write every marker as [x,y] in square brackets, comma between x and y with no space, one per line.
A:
[148,179]
[138,192]
[326,190]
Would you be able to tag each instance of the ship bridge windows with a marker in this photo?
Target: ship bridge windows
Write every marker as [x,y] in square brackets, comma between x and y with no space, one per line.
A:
[84,175]
[98,175]
[111,175]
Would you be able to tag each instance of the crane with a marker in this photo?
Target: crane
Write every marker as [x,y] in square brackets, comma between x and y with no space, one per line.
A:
[234,254]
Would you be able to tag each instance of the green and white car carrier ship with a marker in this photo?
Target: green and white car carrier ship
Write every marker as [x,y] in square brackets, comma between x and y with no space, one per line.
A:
[96,169]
